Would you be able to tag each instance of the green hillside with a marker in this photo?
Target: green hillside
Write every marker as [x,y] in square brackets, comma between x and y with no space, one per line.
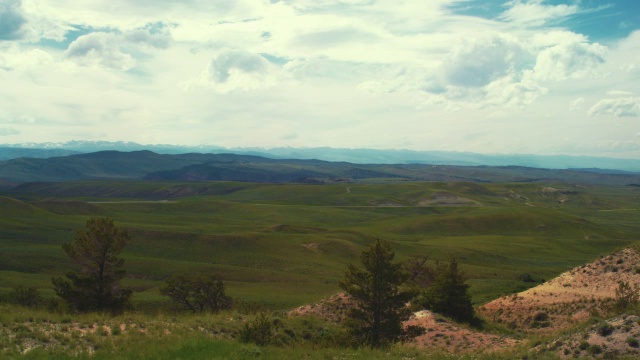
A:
[287,244]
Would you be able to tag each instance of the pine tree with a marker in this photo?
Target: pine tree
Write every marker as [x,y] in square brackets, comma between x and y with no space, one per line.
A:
[448,293]
[379,304]
[97,285]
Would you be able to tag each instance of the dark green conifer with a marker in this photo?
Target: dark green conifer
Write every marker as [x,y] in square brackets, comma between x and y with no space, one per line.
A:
[97,285]
[379,304]
[448,293]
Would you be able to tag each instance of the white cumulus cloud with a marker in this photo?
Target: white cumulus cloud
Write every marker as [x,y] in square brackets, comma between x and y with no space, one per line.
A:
[100,49]
[481,61]
[569,61]
[621,107]
[233,70]
[160,40]
[14,57]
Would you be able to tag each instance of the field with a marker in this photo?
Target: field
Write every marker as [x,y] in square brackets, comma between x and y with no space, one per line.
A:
[284,245]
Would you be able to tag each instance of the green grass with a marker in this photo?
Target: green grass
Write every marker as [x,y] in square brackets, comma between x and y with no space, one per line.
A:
[34,334]
[287,244]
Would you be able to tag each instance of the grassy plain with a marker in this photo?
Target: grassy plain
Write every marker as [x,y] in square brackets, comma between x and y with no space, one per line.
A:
[283,245]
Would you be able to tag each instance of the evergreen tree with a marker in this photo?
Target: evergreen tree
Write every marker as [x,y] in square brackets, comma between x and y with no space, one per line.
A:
[448,293]
[97,285]
[379,304]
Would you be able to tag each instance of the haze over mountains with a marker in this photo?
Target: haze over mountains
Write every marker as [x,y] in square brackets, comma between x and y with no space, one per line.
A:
[359,156]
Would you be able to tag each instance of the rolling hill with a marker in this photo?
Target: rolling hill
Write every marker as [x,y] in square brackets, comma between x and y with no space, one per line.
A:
[247,168]
[99,165]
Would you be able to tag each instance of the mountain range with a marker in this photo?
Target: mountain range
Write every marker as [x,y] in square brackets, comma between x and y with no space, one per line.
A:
[148,165]
[359,156]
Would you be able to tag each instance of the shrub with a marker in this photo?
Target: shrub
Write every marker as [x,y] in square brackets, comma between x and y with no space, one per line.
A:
[594,349]
[526,277]
[540,320]
[604,329]
[633,342]
[541,316]
[196,293]
[260,331]
[626,295]
[25,296]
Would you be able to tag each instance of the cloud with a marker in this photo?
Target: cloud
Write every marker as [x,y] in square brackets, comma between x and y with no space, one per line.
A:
[100,49]
[512,91]
[229,61]
[576,104]
[479,62]
[569,61]
[536,13]
[497,115]
[290,136]
[619,93]
[11,19]
[326,71]
[333,37]
[495,69]
[233,70]
[622,107]
[158,40]
[8,131]
[615,147]
[14,57]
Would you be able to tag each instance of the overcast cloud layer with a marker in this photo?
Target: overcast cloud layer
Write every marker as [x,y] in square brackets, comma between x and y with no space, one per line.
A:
[541,77]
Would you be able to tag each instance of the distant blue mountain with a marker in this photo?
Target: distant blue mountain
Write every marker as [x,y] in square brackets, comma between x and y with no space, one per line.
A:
[358,156]
[8,153]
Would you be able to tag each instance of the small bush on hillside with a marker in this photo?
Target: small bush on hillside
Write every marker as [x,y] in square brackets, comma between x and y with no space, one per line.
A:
[626,295]
[594,349]
[633,342]
[526,277]
[541,316]
[196,293]
[260,331]
[25,296]
[57,305]
[540,320]
[604,329]
[248,307]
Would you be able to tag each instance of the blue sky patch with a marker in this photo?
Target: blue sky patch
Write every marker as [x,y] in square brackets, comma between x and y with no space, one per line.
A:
[70,36]
[602,21]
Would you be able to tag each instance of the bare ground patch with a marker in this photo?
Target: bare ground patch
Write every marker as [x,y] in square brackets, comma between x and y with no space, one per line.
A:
[440,333]
[568,299]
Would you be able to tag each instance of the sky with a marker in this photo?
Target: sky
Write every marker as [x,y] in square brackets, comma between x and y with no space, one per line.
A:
[486,76]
